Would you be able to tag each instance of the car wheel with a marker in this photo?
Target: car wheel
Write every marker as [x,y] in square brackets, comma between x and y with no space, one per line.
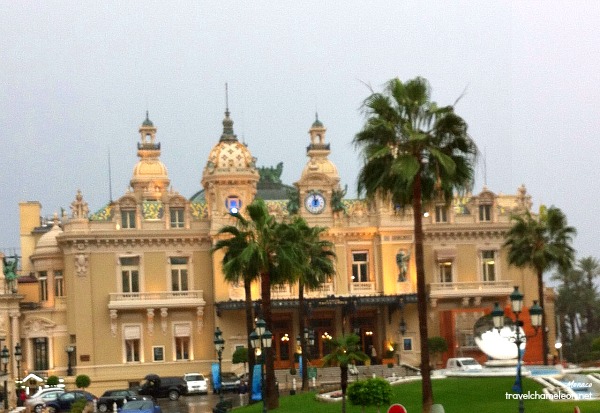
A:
[38,408]
[103,407]
[173,395]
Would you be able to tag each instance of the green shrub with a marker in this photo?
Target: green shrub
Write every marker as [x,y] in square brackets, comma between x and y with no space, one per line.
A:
[78,406]
[82,381]
[52,381]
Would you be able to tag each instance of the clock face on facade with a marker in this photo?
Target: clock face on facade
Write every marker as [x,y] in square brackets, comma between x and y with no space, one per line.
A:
[314,203]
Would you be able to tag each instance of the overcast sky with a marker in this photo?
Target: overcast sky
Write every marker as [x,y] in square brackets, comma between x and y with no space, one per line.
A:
[78,77]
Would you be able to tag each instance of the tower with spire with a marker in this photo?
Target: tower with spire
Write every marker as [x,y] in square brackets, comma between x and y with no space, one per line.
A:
[229,177]
[320,180]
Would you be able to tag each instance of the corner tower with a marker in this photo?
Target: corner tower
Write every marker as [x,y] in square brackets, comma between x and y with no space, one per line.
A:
[150,177]
[229,178]
[319,185]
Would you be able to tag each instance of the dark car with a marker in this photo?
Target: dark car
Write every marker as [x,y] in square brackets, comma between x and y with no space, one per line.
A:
[107,400]
[141,406]
[64,402]
[157,387]
[230,381]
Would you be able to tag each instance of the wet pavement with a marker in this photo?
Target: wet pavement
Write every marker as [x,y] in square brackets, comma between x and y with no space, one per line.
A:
[200,403]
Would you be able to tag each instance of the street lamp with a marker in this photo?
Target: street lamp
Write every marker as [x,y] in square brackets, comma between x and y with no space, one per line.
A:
[18,358]
[69,350]
[535,314]
[262,338]
[402,332]
[219,346]
[4,356]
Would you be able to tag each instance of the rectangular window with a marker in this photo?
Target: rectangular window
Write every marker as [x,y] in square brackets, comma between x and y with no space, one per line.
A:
[179,274]
[58,284]
[441,213]
[488,270]
[485,213]
[128,218]
[132,336]
[40,353]
[182,333]
[158,353]
[132,350]
[130,274]
[177,217]
[360,266]
[182,348]
[43,281]
[445,271]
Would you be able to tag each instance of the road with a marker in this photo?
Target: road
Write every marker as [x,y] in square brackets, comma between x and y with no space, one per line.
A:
[199,403]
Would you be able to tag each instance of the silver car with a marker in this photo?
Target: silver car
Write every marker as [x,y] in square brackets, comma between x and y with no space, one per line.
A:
[37,402]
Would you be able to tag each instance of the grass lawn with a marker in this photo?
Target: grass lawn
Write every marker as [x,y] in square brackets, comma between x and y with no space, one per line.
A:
[457,395]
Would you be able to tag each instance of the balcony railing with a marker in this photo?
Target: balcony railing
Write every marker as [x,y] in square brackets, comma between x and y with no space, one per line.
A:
[470,288]
[166,299]
[367,287]
[323,291]
[282,291]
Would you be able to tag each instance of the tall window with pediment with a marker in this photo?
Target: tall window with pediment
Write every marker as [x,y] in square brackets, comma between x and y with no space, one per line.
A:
[58,284]
[182,333]
[132,336]
[130,274]
[485,213]
[441,213]
[177,217]
[360,266]
[40,353]
[179,273]
[488,265]
[43,283]
[128,218]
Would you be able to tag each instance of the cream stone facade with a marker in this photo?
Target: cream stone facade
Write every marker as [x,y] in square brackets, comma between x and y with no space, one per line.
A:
[134,288]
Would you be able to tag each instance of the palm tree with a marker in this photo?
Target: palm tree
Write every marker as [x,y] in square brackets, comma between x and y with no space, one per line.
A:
[414,152]
[234,241]
[318,268]
[261,248]
[345,351]
[590,268]
[541,243]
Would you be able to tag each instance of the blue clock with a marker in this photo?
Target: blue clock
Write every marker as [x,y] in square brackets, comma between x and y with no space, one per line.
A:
[314,203]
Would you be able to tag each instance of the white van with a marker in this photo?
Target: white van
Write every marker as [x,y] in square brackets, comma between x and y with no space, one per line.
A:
[463,364]
[196,383]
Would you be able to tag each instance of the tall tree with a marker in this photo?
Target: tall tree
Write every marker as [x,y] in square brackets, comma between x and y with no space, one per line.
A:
[541,242]
[261,248]
[319,267]
[345,351]
[590,268]
[414,151]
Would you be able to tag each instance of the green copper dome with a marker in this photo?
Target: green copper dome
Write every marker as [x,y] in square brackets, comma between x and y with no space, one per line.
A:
[147,121]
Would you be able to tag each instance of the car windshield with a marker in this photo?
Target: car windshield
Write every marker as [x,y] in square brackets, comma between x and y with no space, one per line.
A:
[137,405]
[470,362]
[194,377]
[229,376]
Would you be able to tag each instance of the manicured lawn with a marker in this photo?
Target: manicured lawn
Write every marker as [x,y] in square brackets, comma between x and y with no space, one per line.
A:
[457,395]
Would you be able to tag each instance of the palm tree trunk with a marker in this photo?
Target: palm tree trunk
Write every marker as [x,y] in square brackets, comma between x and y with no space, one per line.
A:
[545,348]
[272,398]
[344,380]
[427,390]
[249,328]
[302,325]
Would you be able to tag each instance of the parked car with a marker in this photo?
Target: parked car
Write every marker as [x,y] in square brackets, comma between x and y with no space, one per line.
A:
[42,390]
[229,381]
[64,402]
[463,364]
[196,383]
[36,404]
[141,406]
[106,401]
[157,387]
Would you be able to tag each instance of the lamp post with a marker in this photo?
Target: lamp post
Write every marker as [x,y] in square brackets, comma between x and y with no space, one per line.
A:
[535,313]
[219,346]
[69,350]
[402,332]
[4,356]
[262,338]
[18,358]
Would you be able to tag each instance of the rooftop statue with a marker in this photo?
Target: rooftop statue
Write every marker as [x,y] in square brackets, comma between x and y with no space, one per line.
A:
[271,174]
[10,272]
